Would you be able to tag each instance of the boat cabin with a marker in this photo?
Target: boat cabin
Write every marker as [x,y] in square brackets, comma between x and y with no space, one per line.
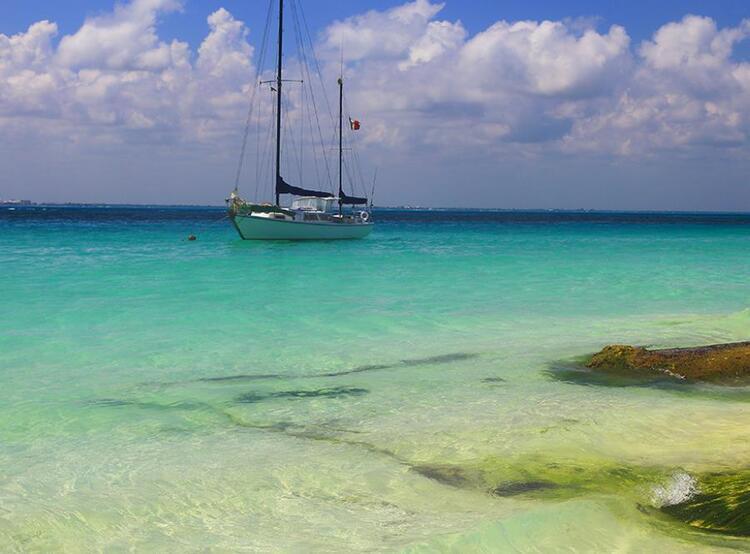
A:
[315,204]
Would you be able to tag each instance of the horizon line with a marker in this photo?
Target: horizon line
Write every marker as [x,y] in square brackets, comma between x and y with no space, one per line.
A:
[400,207]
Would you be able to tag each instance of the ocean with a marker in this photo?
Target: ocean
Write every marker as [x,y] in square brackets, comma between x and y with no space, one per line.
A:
[411,391]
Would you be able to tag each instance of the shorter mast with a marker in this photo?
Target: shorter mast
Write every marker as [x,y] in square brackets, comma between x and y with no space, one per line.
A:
[341,145]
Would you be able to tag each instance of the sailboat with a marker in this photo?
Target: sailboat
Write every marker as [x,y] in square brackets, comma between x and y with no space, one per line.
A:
[313,214]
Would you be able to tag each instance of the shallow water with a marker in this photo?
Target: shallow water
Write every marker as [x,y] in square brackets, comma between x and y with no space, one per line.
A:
[394,393]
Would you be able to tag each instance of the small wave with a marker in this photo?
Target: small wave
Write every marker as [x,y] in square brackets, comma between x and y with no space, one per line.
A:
[680,488]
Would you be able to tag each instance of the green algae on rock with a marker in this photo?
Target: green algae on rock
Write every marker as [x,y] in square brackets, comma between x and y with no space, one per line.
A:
[538,477]
[720,505]
[710,502]
[719,363]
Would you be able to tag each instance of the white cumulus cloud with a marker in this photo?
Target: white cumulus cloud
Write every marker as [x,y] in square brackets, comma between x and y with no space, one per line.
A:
[688,92]
[125,39]
[421,84]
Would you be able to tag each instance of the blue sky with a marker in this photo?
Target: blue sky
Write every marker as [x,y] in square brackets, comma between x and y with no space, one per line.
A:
[640,17]
[517,104]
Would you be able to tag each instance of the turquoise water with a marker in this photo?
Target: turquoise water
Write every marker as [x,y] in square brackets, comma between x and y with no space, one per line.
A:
[162,394]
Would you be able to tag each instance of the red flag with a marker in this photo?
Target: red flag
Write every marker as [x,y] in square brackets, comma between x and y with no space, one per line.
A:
[354,123]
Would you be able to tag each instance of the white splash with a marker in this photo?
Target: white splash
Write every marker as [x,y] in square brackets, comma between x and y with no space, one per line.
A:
[680,488]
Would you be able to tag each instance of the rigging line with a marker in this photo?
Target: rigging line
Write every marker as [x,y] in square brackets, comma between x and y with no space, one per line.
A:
[305,71]
[358,167]
[258,142]
[289,134]
[349,179]
[372,192]
[313,143]
[306,116]
[204,224]
[315,58]
[303,99]
[244,141]
[252,100]
[272,152]
[303,102]
[258,134]
[261,144]
[351,141]
[350,166]
[222,218]
[266,152]
[269,173]
[347,161]
[303,89]
[312,90]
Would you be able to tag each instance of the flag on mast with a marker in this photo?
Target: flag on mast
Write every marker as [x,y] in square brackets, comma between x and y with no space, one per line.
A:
[354,124]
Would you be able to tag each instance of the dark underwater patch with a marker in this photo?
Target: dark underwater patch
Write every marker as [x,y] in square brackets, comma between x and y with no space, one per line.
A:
[514,488]
[453,476]
[361,369]
[481,479]
[178,405]
[328,392]
[230,378]
[109,402]
[493,380]
[442,359]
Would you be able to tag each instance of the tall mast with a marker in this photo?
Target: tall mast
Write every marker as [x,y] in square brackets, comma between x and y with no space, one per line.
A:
[341,149]
[278,102]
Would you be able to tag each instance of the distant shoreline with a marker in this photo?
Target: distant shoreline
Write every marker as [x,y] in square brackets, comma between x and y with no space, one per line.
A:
[25,204]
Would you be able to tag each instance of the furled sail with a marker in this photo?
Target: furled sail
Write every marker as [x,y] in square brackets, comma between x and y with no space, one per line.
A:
[345,199]
[282,187]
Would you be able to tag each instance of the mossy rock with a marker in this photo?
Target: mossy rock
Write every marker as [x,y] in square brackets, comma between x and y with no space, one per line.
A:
[718,363]
[722,504]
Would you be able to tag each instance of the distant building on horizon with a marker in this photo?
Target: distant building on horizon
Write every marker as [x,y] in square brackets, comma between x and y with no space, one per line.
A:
[14,202]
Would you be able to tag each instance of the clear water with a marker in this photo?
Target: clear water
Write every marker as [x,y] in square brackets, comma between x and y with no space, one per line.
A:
[162,394]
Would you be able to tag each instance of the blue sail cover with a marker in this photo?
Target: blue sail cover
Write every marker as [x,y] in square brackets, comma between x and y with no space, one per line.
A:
[344,199]
[282,187]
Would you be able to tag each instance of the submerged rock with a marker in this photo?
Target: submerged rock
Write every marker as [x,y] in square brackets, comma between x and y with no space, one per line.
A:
[453,476]
[513,488]
[727,363]
[720,504]
[541,478]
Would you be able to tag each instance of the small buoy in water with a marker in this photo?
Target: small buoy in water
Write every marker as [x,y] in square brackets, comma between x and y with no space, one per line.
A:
[192,237]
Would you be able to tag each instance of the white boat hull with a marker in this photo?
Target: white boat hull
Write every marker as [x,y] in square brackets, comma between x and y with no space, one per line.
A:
[263,228]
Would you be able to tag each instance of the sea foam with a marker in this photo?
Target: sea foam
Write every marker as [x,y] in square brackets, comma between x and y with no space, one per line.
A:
[680,488]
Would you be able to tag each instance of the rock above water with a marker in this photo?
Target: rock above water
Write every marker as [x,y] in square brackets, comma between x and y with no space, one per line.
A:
[717,362]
